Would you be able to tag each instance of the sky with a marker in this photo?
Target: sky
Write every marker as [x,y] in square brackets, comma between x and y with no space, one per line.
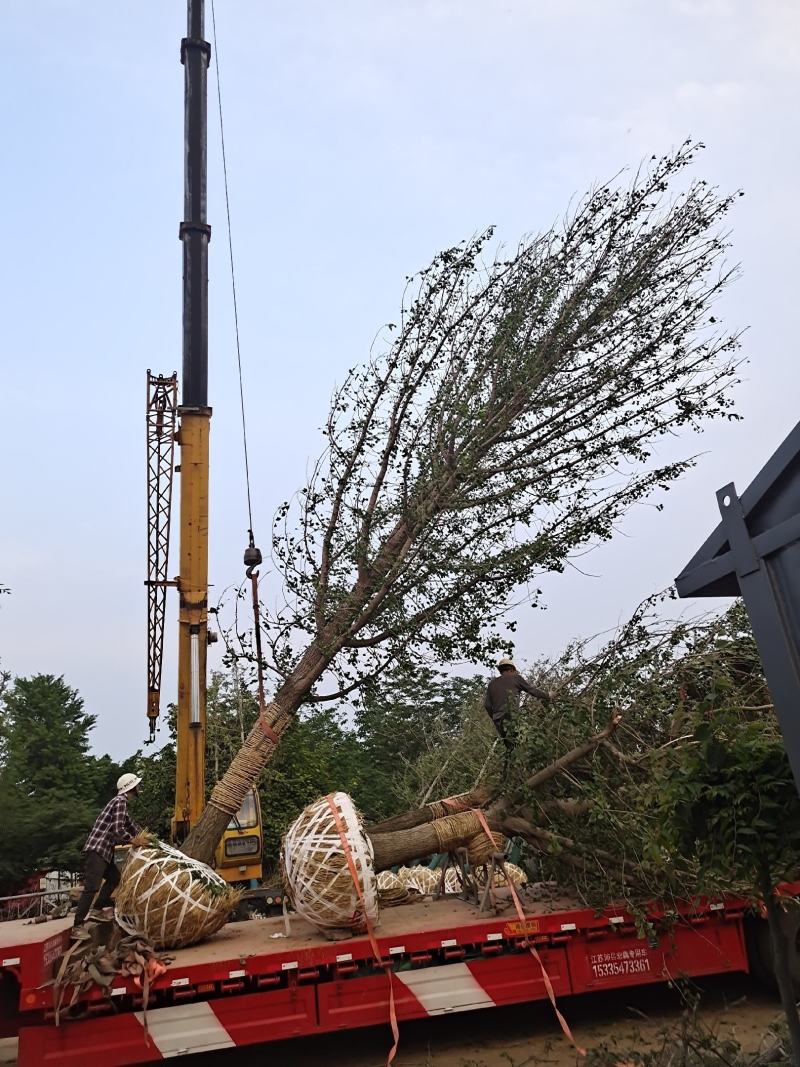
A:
[362,137]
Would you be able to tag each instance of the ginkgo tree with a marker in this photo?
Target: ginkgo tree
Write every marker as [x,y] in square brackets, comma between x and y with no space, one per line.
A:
[511,418]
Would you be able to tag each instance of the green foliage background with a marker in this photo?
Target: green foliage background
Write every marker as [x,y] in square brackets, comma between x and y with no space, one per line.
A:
[693,792]
[51,786]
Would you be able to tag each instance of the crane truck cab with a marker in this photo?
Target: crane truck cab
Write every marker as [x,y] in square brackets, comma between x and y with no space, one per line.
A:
[239,854]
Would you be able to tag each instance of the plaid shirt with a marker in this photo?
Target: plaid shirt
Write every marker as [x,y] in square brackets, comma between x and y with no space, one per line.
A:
[113,826]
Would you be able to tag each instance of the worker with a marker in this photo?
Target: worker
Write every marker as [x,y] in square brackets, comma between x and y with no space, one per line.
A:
[112,827]
[502,700]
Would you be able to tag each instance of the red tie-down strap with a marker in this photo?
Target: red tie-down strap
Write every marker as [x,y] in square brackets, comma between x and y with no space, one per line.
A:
[348,855]
[545,976]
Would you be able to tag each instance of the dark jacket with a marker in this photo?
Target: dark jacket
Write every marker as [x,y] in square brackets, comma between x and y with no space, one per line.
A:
[503,693]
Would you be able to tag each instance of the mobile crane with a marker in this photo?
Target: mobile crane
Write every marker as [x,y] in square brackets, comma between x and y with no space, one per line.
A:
[239,854]
[260,982]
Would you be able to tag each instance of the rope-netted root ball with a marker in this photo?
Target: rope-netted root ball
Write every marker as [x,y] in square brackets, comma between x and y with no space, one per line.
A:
[391,890]
[173,900]
[420,879]
[318,868]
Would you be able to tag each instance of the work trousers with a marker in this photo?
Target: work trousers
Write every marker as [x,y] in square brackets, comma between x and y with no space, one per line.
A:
[501,724]
[97,872]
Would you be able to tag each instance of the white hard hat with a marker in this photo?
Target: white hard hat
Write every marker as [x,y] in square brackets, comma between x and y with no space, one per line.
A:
[127,782]
[505,662]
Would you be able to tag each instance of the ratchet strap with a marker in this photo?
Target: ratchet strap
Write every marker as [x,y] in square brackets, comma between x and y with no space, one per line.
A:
[548,985]
[387,967]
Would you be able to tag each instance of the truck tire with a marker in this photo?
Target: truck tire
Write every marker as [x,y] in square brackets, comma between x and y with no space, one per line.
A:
[759,948]
[9,1005]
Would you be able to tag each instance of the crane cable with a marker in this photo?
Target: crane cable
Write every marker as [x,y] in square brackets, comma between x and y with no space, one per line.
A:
[252,554]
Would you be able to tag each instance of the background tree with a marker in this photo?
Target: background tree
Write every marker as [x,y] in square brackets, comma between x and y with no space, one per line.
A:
[318,754]
[731,809]
[511,420]
[403,721]
[51,786]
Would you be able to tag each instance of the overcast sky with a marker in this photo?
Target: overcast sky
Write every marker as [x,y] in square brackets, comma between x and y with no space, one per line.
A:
[363,136]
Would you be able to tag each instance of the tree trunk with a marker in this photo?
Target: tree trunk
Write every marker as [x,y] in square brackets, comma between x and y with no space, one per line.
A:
[436,809]
[441,835]
[251,759]
[780,955]
[403,846]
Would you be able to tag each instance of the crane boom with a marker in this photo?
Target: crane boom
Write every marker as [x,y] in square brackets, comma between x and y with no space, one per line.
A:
[162,399]
[193,438]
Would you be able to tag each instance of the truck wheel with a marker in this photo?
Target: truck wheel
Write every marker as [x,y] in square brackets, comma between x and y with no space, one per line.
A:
[9,1005]
[759,948]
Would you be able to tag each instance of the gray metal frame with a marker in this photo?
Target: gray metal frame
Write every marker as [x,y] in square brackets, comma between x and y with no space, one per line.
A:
[754,553]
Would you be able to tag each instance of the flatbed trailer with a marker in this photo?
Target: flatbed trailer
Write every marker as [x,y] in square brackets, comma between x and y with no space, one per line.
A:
[252,984]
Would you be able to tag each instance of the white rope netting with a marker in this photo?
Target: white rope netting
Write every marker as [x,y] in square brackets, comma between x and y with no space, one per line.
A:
[315,868]
[452,880]
[172,899]
[515,874]
[390,889]
[420,879]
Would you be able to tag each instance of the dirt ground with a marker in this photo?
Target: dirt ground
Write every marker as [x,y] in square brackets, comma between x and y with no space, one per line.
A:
[524,1035]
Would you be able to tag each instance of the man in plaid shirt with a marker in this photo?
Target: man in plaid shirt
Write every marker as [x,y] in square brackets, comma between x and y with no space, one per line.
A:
[112,827]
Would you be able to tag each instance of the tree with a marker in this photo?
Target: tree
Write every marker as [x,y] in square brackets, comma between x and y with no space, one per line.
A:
[408,714]
[50,785]
[584,781]
[732,809]
[511,421]
[690,793]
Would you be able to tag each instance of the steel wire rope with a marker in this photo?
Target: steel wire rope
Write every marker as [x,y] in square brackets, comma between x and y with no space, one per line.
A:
[255,555]
[233,270]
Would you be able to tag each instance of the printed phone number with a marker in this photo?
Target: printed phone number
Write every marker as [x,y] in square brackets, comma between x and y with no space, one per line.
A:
[614,969]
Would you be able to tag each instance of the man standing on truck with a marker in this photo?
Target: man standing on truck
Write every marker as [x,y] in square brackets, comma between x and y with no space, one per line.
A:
[112,827]
[502,700]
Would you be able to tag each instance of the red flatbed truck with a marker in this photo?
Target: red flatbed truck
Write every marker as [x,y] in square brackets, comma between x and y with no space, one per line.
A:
[252,984]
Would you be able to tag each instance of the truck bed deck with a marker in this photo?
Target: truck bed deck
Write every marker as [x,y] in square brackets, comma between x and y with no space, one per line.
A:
[33,947]
[251,983]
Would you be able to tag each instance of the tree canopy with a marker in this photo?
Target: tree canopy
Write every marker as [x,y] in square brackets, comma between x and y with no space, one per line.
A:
[510,419]
[51,786]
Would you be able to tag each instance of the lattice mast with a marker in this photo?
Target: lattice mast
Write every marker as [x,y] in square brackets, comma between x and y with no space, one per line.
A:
[162,406]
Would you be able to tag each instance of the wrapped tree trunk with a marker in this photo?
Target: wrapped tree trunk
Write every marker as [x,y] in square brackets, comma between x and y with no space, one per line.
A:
[436,809]
[463,830]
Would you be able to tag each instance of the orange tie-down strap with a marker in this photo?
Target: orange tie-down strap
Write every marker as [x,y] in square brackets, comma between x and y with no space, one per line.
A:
[267,729]
[545,976]
[348,855]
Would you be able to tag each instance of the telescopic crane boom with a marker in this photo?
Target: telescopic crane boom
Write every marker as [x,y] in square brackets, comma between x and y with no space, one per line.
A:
[193,435]
[239,855]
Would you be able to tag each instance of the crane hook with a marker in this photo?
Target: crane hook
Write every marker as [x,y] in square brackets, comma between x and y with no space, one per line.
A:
[252,556]
[253,559]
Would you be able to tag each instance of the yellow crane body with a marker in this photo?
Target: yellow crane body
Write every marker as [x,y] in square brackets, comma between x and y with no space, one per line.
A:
[193,440]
